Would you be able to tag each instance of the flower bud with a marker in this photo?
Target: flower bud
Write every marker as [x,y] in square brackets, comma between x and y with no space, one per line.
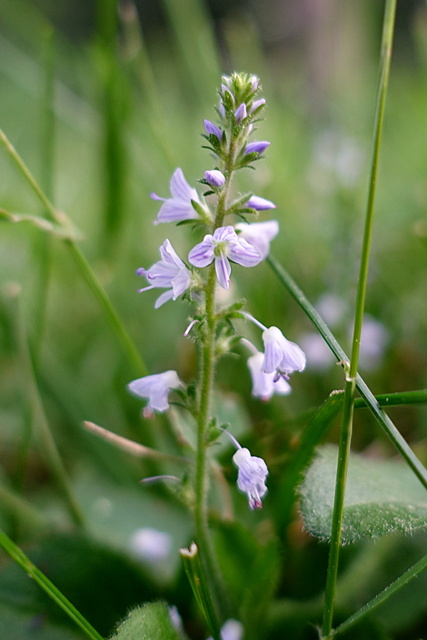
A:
[215,178]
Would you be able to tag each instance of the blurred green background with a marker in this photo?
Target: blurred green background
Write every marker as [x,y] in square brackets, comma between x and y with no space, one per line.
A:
[103,101]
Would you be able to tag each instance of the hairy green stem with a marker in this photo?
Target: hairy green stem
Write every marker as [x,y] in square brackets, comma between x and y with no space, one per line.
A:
[206,387]
[350,387]
[206,384]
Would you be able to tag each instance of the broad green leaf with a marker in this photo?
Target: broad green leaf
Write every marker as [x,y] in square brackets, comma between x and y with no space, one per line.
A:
[150,622]
[382,497]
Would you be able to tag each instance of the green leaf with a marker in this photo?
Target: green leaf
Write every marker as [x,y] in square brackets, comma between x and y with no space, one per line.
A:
[150,622]
[382,497]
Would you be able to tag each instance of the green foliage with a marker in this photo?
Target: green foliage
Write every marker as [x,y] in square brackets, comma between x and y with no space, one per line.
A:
[101,582]
[119,116]
[150,622]
[382,497]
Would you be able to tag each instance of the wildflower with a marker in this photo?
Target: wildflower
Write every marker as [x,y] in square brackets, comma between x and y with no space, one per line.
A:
[212,129]
[256,147]
[257,104]
[168,273]
[259,234]
[231,630]
[156,388]
[215,178]
[251,476]
[264,385]
[281,355]
[222,246]
[260,204]
[240,113]
[178,207]
[254,80]
[150,544]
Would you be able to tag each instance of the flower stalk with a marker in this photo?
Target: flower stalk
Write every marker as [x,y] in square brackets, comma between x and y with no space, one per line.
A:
[350,386]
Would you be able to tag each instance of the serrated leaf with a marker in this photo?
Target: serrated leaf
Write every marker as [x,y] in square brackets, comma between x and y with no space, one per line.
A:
[150,622]
[382,497]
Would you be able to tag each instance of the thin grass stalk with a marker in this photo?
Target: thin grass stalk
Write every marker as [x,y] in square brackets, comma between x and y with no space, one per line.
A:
[350,386]
[38,416]
[113,103]
[198,52]
[369,398]
[389,591]
[140,63]
[129,349]
[48,587]
[44,241]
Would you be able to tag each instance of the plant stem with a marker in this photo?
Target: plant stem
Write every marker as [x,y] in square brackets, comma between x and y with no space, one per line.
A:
[88,274]
[206,383]
[350,386]
[37,416]
[206,386]
[373,404]
[53,592]
[390,590]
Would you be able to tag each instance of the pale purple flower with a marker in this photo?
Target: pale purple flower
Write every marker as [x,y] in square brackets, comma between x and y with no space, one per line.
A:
[281,355]
[254,80]
[212,129]
[260,204]
[168,273]
[222,246]
[264,385]
[257,104]
[259,234]
[240,113]
[251,476]
[150,544]
[156,388]
[215,178]
[231,630]
[256,147]
[178,207]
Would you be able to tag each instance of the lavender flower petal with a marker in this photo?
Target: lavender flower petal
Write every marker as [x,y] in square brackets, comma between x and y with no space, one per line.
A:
[156,388]
[223,271]
[264,384]
[212,129]
[240,113]
[215,178]
[259,234]
[260,204]
[256,147]
[178,207]
[251,476]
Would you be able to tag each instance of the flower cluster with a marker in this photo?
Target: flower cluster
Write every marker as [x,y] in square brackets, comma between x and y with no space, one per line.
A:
[229,238]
